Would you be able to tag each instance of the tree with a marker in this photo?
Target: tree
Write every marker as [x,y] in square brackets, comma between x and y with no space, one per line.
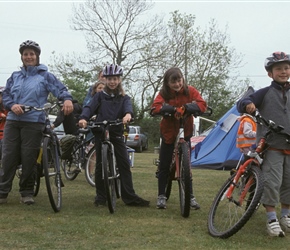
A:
[117,32]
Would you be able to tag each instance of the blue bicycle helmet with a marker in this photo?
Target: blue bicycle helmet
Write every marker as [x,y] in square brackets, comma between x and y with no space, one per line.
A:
[31,45]
[276,57]
[112,70]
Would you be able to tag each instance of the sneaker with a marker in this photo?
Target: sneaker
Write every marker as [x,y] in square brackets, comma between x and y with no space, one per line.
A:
[161,202]
[28,200]
[139,202]
[274,229]
[193,204]
[3,200]
[100,203]
[285,223]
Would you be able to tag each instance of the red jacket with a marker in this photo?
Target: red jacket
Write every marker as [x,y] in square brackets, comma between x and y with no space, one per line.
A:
[3,115]
[169,126]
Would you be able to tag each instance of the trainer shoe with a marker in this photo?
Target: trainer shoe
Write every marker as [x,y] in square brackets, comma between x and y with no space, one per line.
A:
[139,202]
[285,223]
[3,200]
[274,229]
[193,204]
[161,202]
[100,203]
[27,200]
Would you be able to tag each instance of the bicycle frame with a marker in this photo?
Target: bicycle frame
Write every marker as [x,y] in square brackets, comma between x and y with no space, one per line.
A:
[175,157]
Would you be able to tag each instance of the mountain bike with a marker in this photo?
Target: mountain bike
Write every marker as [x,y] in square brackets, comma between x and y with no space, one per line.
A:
[239,197]
[49,165]
[180,167]
[82,157]
[110,172]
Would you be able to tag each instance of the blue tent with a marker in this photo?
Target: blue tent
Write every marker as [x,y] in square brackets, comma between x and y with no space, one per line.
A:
[218,150]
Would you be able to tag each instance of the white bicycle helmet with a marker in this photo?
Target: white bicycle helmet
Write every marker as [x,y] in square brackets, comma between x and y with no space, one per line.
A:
[112,70]
[31,45]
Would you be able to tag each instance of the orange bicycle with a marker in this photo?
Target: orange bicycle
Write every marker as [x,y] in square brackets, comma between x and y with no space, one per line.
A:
[240,195]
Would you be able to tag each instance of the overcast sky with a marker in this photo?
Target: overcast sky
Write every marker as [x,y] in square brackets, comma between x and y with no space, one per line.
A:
[255,28]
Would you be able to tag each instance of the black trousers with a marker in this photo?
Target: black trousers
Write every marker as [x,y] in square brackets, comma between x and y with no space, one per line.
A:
[21,144]
[127,191]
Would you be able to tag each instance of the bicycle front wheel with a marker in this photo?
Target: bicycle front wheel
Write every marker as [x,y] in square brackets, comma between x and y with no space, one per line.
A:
[109,180]
[71,167]
[91,167]
[51,163]
[228,215]
[184,179]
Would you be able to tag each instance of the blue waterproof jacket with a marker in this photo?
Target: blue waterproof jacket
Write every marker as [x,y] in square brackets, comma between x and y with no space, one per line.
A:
[31,87]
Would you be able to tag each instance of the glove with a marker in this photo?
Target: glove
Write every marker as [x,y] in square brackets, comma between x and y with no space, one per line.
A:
[167,109]
[179,112]
[192,109]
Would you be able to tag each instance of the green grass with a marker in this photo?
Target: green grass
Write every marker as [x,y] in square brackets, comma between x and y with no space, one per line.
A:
[80,225]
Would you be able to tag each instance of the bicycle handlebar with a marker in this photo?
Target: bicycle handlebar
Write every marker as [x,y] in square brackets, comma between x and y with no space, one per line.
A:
[208,112]
[47,106]
[271,125]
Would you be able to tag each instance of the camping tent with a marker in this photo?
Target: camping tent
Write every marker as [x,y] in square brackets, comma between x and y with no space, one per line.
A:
[218,150]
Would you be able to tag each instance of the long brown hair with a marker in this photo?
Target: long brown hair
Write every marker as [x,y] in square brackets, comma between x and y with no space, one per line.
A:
[172,74]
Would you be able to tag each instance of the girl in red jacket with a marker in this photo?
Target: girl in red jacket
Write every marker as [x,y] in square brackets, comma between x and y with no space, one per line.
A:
[174,93]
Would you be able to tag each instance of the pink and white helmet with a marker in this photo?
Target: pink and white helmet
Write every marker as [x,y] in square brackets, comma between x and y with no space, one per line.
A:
[112,70]
[276,57]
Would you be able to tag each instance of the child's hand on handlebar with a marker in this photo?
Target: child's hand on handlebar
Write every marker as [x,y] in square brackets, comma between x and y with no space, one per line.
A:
[179,112]
[127,118]
[83,123]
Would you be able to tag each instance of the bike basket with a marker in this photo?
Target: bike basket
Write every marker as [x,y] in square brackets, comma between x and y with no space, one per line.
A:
[66,145]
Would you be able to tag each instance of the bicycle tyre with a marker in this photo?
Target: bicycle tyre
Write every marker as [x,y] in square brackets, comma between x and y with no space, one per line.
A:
[109,182]
[118,184]
[70,166]
[52,173]
[184,182]
[169,182]
[38,172]
[90,167]
[227,217]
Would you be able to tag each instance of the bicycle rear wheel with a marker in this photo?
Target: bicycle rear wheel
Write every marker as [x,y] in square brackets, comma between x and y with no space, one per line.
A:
[70,166]
[91,167]
[51,163]
[228,216]
[109,181]
[185,179]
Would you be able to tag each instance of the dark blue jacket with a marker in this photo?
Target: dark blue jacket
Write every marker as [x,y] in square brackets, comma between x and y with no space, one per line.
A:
[108,108]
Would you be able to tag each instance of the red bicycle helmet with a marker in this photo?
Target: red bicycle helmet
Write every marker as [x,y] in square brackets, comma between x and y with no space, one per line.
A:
[31,45]
[112,70]
[276,57]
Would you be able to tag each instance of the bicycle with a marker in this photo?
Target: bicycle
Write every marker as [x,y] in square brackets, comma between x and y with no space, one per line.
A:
[49,160]
[180,167]
[110,172]
[239,197]
[81,157]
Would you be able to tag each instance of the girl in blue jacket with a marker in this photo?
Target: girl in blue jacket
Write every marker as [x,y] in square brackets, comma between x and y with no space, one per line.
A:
[111,104]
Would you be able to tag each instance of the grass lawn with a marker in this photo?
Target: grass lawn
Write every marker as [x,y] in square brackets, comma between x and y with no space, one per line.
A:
[81,225]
